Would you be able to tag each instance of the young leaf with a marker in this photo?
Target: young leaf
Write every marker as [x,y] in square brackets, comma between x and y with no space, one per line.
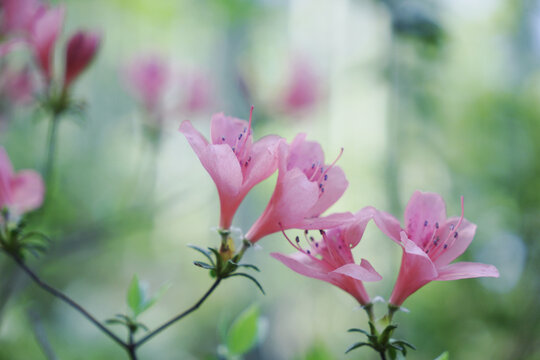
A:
[444,356]
[135,296]
[242,335]
[148,303]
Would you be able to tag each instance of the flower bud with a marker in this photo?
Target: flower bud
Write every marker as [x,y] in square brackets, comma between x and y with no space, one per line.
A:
[81,49]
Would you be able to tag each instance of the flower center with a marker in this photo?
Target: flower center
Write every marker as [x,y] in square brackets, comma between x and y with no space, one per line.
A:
[436,246]
[240,145]
[319,173]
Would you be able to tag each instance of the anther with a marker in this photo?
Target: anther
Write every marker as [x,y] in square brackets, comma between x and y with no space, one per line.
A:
[308,252]
[297,239]
[452,227]
[425,223]
[325,177]
[455,234]
[240,136]
[437,225]
[311,238]
[445,246]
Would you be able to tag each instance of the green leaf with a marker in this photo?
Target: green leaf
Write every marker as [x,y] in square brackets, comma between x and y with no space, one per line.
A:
[357,345]
[444,356]
[387,332]
[249,266]
[135,296]
[204,252]
[317,351]
[242,335]
[250,278]
[203,265]
[361,331]
[158,295]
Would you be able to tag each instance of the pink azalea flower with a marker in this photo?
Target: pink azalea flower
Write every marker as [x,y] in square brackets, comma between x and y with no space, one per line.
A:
[430,243]
[81,49]
[198,94]
[305,188]
[18,16]
[17,85]
[147,79]
[330,259]
[232,159]
[19,192]
[44,33]
[301,90]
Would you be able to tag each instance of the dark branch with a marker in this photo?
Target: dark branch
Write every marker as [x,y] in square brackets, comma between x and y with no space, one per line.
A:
[179,317]
[69,301]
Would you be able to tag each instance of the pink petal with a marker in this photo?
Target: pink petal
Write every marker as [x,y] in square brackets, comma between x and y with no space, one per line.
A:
[362,272]
[229,128]
[308,266]
[327,222]
[334,187]
[387,223]
[264,160]
[416,271]
[303,154]
[456,245]
[293,196]
[44,34]
[467,270]
[6,172]
[8,46]
[423,211]
[195,138]
[28,189]
[354,232]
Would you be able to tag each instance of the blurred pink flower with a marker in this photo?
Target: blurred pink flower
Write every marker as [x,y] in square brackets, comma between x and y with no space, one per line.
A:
[197,92]
[19,192]
[305,188]
[301,90]
[18,16]
[147,79]
[44,33]
[330,259]
[234,162]
[81,49]
[430,242]
[17,85]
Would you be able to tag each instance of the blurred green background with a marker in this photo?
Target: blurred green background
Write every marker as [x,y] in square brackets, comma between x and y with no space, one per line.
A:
[437,96]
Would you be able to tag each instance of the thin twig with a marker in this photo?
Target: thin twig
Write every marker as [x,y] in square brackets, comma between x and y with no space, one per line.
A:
[69,301]
[180,316]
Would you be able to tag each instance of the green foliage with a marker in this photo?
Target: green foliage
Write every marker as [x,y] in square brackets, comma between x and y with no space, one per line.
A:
[243,333]
[138,298]
[318,351]
[443,356]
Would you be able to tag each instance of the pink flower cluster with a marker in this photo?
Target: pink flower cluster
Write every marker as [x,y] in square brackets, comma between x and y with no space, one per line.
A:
[33,23]
[306,187]
[19,192]
[148,78]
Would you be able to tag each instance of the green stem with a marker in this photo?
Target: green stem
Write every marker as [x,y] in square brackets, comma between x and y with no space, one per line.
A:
[383,355]
[51,145]
[369,310]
